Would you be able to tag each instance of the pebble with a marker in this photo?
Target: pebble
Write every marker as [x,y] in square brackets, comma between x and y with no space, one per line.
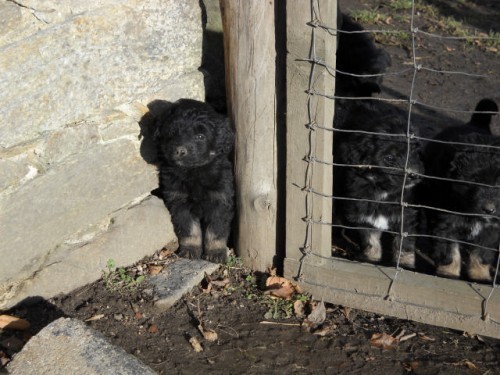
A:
[118,317]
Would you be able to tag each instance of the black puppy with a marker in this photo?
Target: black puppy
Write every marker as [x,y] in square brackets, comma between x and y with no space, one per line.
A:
[380,177]
[359,61]
[474,196]
[196,177]
[360,65]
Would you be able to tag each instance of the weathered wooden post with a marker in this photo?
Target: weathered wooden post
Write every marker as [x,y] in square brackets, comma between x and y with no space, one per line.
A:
[249,45]
[308,109]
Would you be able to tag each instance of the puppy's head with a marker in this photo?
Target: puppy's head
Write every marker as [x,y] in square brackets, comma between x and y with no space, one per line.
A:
[393,164]
[482,196]
[391,159]
[191,134]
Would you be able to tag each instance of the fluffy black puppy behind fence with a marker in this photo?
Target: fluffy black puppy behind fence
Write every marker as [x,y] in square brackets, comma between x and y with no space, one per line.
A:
[373,156]
[376,170]
[360,66]
[466,225]
[196,177]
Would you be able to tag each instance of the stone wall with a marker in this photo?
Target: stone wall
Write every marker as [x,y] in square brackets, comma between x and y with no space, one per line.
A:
[77,77]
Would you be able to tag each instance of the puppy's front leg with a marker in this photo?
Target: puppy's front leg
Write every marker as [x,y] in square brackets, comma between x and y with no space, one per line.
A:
[370,245]
[447,258]
[218,227]
[188,231]
[406,257]
[190,246]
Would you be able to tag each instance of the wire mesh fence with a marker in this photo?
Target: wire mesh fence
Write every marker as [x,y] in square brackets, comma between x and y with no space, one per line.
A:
[398,170]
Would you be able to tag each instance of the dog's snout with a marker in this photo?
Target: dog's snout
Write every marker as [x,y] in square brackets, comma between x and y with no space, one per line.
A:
[412,176]
[181,151]
[489,208]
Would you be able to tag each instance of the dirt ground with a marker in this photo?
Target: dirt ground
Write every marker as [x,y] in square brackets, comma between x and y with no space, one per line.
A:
[257,334]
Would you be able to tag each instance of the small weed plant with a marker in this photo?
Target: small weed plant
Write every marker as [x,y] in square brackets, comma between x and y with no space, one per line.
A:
[116,279]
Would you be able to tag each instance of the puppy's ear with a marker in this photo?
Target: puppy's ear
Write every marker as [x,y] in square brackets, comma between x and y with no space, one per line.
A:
[162,121]
[460,162]
[225,137]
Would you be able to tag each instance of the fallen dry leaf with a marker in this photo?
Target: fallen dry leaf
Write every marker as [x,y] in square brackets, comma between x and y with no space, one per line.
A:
[317,315]
[154,270]
[195,344]
[165,253]
[426,338]
[298,309]
[470,365]
[407,337]
[208,334]
[345,311]
[220,283]
[95,317]
[411,366]
[281,287]
[12,322]
[153,328]
[383,340]
[138,315]
[326,330]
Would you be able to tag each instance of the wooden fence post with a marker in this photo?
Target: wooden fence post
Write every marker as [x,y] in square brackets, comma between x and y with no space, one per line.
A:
[305,42]
[249,48]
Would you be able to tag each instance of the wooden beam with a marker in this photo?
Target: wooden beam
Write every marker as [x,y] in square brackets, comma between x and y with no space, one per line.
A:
[413,296]
[249,47]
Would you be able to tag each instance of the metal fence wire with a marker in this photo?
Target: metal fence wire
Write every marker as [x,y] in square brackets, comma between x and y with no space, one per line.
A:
[413,67]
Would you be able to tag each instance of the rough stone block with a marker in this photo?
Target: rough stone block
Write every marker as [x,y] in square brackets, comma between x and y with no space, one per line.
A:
[68,346]
[36,220]
[94,57]
[178,278]
[133,233]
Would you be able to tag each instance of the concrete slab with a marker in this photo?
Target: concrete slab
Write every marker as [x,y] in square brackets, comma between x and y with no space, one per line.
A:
[178,278]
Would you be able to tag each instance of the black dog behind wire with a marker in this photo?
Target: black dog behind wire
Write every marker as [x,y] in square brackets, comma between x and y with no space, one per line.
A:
[380,187]
[196,177]
[359,62]
[480,202]
[360,65]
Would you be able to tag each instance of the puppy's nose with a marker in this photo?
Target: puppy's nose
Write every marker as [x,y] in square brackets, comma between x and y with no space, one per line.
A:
[412,176]
[489,208]
[181,151]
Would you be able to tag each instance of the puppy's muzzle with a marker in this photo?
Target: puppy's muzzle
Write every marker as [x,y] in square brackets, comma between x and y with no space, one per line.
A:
[180,152]
[489,208]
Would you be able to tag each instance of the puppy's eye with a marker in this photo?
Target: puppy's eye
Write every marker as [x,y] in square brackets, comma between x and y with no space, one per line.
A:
[390,159]
[199,137]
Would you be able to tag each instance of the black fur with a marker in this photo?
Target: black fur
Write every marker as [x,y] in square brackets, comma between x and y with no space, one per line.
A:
[359,67]
[196,177]
[378,185]
[464,163]
[358,55]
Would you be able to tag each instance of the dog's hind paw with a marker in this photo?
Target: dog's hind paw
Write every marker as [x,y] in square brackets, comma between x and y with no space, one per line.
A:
[191,252]
[216,255]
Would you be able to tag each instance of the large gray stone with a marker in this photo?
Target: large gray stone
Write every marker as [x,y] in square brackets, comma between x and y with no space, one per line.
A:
[93,58]
[68,346]
[129,235]
[77,77]
[85,190]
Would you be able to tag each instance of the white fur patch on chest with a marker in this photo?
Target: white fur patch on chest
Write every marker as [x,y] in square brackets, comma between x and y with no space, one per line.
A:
[380,222]
[382,196]
[475,229]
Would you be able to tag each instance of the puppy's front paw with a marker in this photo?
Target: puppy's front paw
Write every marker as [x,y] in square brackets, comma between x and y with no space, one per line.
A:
[216,255]
[406,260]
[191,252]
[372,254]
